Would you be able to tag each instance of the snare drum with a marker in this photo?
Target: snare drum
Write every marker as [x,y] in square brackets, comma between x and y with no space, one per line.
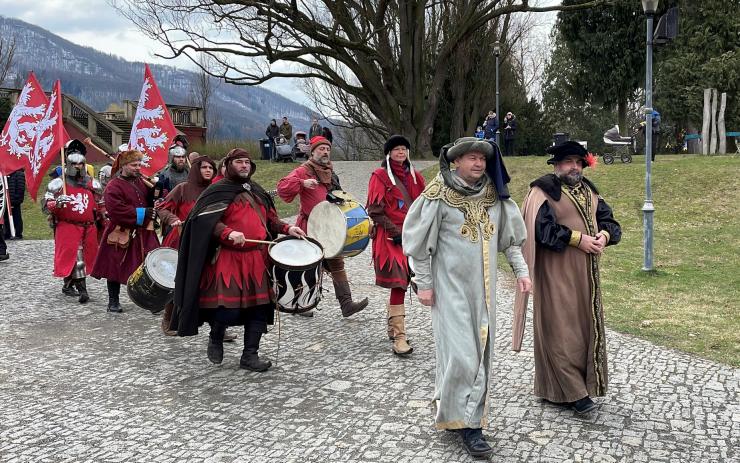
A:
[342,229]
[152,285]
[296,273]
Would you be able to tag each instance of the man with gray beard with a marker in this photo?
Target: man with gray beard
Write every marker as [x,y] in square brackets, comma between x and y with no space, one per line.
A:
[568,225]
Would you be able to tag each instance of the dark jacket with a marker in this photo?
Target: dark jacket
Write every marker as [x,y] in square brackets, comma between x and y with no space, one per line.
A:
[273,131]
[326,132]
[490,128]
[510,126]
[17,186]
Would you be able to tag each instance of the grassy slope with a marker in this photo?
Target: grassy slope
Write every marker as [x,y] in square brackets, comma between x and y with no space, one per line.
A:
[692,302]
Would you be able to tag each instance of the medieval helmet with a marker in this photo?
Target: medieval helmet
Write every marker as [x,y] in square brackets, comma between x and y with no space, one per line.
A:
[74,152]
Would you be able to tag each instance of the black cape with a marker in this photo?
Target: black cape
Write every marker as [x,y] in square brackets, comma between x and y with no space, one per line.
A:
[197,246]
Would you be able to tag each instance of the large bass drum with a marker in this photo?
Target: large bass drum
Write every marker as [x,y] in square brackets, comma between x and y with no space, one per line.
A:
[296,273]
[342,229]
[152,285]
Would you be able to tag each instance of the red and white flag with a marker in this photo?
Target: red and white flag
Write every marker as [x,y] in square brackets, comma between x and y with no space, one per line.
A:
[50,139]
[152,131]
[16,139]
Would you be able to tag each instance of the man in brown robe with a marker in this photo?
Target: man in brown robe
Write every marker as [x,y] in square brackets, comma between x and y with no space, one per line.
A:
[568,224]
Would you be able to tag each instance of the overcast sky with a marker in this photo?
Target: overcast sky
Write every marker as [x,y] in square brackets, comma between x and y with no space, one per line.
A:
[97,24]
[94,23]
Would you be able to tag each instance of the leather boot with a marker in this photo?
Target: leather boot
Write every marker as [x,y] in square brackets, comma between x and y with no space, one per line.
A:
[215,350]
[114,289]
[250,359]
[344,296]
[167,319]
[68,289]
[388,317]
[396,319]
[81,286]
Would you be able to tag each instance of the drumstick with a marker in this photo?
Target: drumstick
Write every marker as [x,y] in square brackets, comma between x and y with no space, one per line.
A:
[258,241]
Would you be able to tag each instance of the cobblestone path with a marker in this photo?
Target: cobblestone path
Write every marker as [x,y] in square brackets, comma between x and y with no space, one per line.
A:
[79,384]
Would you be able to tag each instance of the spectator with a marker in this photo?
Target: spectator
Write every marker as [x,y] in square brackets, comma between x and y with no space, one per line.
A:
[326,133]
[286,130]
[479,133]
[490,126]
[315,129]
[16,195]
[272,132]
[510,127]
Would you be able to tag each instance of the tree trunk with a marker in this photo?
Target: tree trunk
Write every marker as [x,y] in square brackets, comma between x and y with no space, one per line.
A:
[721,131]
[622,117]
[706,121]
[713,136]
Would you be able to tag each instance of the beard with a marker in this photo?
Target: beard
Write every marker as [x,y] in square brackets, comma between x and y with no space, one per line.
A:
[323,160]
[571,178]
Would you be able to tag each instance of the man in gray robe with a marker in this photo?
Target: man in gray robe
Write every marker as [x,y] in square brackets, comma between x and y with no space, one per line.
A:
[452,234]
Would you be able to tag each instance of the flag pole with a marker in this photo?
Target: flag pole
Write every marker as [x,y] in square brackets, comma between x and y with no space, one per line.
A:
[64,171]
[8,205]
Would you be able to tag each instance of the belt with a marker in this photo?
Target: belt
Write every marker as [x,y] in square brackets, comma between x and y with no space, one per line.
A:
[81,224]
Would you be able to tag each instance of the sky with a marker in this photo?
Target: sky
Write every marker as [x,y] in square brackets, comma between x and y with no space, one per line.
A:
[96,24]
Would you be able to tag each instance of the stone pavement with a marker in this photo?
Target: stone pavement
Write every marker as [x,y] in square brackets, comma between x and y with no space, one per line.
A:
[79,384]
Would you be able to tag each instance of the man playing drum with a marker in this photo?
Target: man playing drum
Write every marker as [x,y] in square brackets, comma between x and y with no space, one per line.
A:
[71,202]
[313,181]
[175,208]
[222,270]
[129,235]
[392,189]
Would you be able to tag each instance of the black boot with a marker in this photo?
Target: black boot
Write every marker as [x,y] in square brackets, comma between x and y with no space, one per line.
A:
[114,289]
[68,289]
[81,286]
[475,443]
[250,359]
[216,343]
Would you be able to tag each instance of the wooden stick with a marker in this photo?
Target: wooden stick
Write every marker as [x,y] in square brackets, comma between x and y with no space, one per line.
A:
[64,171]
[258,241]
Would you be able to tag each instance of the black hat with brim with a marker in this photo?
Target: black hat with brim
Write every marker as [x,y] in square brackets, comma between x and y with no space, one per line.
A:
[568,148]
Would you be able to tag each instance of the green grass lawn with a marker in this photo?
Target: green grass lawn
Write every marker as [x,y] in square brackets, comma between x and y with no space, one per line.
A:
[692,301]
[267,174]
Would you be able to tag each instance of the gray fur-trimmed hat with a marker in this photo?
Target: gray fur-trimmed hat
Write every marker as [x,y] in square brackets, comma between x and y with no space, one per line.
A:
[466,145]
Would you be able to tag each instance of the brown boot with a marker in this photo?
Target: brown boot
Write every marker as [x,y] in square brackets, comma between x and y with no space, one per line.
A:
[396,320]
[344,296]
[167,318]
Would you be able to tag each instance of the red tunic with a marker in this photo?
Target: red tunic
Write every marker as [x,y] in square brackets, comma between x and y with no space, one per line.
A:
[292,185]
[176,206]
[388,208]
[239,277]
[122,197]
[75,225]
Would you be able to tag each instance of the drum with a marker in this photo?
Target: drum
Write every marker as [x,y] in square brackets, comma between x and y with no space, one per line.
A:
[152,285]
[296,273]
[342,229]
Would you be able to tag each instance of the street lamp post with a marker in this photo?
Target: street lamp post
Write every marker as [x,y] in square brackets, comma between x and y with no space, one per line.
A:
[650,7]
[497,52]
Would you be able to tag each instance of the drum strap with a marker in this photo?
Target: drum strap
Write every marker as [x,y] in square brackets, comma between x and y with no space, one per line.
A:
[404,192]
[257,210]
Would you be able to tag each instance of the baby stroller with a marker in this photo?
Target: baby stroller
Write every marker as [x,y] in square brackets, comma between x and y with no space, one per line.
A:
[283,150]
[624,147]
[302,147]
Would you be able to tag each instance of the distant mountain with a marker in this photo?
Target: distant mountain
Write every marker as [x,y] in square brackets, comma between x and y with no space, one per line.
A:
[99,79]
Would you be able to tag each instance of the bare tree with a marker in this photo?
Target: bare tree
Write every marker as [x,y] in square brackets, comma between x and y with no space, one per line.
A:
[7,53]
[394,55]
[202,91]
